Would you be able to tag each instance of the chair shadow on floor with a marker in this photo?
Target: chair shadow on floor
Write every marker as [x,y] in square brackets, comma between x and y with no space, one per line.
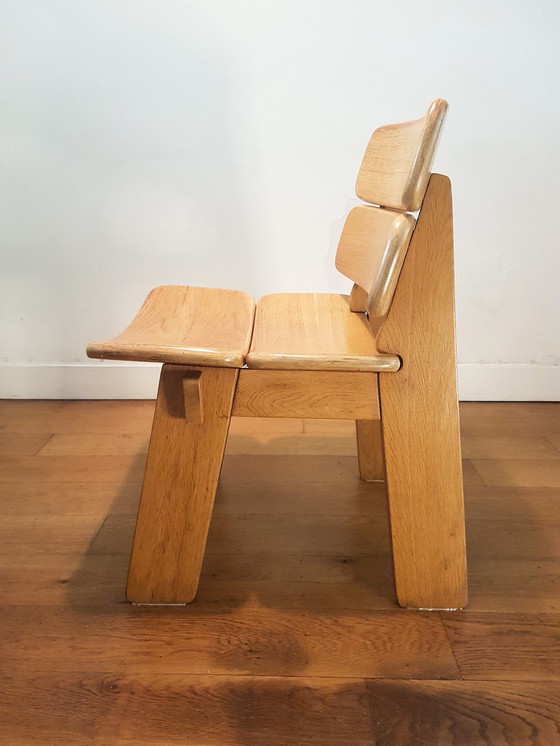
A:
[293,531]
[288,531]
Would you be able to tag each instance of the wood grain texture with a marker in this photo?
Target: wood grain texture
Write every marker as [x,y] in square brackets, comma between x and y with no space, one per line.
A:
[371,461]
[188,325]
[464,713]
[519,473]
[231,533]
[371,253]
[148,709]
[22,444]
[420,417]
[506,646]
[357,300]
[68,678]
[179,486]
[193,640]
[313,331]
[397,162]
[66,417]
[192,398]
[306,393]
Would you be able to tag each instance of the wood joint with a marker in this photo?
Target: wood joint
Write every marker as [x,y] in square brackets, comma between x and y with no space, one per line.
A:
[192,398]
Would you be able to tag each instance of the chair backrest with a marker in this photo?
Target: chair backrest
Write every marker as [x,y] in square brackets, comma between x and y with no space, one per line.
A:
[394,174]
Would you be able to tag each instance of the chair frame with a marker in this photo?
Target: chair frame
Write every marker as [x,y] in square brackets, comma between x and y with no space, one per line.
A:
[407,428]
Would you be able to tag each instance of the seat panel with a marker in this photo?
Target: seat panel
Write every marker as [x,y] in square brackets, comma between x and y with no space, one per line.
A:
[185,325]
[314,331]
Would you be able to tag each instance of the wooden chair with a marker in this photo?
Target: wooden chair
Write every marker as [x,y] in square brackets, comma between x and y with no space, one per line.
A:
[383,356]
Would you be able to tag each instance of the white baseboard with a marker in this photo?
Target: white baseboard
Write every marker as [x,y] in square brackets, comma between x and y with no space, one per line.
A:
[477,381]
[89,381]
[509,382]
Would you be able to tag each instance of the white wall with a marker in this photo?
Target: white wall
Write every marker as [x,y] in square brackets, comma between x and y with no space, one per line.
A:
[209,142]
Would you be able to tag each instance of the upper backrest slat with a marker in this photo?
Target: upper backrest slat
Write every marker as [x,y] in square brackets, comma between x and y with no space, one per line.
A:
[396,166]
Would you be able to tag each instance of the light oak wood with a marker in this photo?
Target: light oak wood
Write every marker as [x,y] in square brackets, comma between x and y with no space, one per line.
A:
[180,483]
[314,331]
[187,325]
[306,393]
[370,450]
[192,398]
[420,417]
[357,301]
[371,253]
[396,166]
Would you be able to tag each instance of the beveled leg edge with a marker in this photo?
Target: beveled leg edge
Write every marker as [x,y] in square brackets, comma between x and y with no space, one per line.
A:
[452,603]
[147,598]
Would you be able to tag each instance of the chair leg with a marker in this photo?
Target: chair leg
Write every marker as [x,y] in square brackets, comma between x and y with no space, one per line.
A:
[424,487]
[370,450]
[189,433]
[420,418]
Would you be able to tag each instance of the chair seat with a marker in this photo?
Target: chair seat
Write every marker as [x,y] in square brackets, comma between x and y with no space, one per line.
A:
[310,331]
[185,325]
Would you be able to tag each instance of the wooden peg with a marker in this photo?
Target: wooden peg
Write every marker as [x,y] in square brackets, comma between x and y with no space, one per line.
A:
[192,398]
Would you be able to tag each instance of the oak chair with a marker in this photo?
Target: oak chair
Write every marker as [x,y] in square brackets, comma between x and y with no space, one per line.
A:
[383,356]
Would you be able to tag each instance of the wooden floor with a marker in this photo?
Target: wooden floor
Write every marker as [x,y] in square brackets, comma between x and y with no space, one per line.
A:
[295,638]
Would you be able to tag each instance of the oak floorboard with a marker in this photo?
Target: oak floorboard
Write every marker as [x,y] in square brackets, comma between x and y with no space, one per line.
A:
[296,601]
[519,473]
[198,640]
[506,584]
[471,478]
[287,581]
[54,534]
[148,709]
[22,444]
[513,503]
[499,646]
[302,445]
[510,419]
[327,498]
[96,444]
[525,447]
[64,498]
[41,469]
[464,713]
[278,533]
[76,416]
[335,534]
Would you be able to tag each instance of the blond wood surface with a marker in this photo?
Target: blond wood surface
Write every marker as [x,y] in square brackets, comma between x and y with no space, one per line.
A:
[370,450]
[192,398]
[313,331]
[396,166]
[179,487]
[188,325]
[420,417]
[357,300]
[371,252]
[306,393]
